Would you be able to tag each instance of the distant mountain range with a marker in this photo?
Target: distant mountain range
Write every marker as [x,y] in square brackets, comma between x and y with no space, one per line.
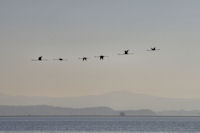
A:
[115,100]
[56,111]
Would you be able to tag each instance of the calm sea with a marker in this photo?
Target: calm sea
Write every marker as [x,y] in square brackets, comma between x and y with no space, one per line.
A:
[99,124]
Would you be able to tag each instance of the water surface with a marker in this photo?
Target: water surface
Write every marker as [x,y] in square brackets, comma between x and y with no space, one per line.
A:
[99,124]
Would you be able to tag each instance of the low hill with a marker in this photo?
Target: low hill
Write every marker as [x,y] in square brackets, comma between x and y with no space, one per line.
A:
[116,100]
[52,111]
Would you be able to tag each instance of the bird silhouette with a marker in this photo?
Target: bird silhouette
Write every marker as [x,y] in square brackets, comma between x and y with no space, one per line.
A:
[101,57]
[40,58]
[153,49]
[84,58]
[126,52]
[60,59]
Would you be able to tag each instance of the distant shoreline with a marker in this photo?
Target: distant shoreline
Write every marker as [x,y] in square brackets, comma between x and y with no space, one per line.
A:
[51,111]
[96,116]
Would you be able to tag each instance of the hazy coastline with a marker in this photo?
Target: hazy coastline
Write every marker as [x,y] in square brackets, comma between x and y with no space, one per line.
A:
[51,111]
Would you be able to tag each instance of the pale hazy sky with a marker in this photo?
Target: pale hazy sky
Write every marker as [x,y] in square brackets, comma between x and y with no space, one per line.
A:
[75,28]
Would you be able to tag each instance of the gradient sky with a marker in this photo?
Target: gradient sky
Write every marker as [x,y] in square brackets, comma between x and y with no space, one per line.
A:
[76,28]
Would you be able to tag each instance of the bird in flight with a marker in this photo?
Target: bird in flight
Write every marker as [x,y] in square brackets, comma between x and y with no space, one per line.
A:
[153,49]
[60,59]
[101,57]
[39,59]
[83,58]
[126,52]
